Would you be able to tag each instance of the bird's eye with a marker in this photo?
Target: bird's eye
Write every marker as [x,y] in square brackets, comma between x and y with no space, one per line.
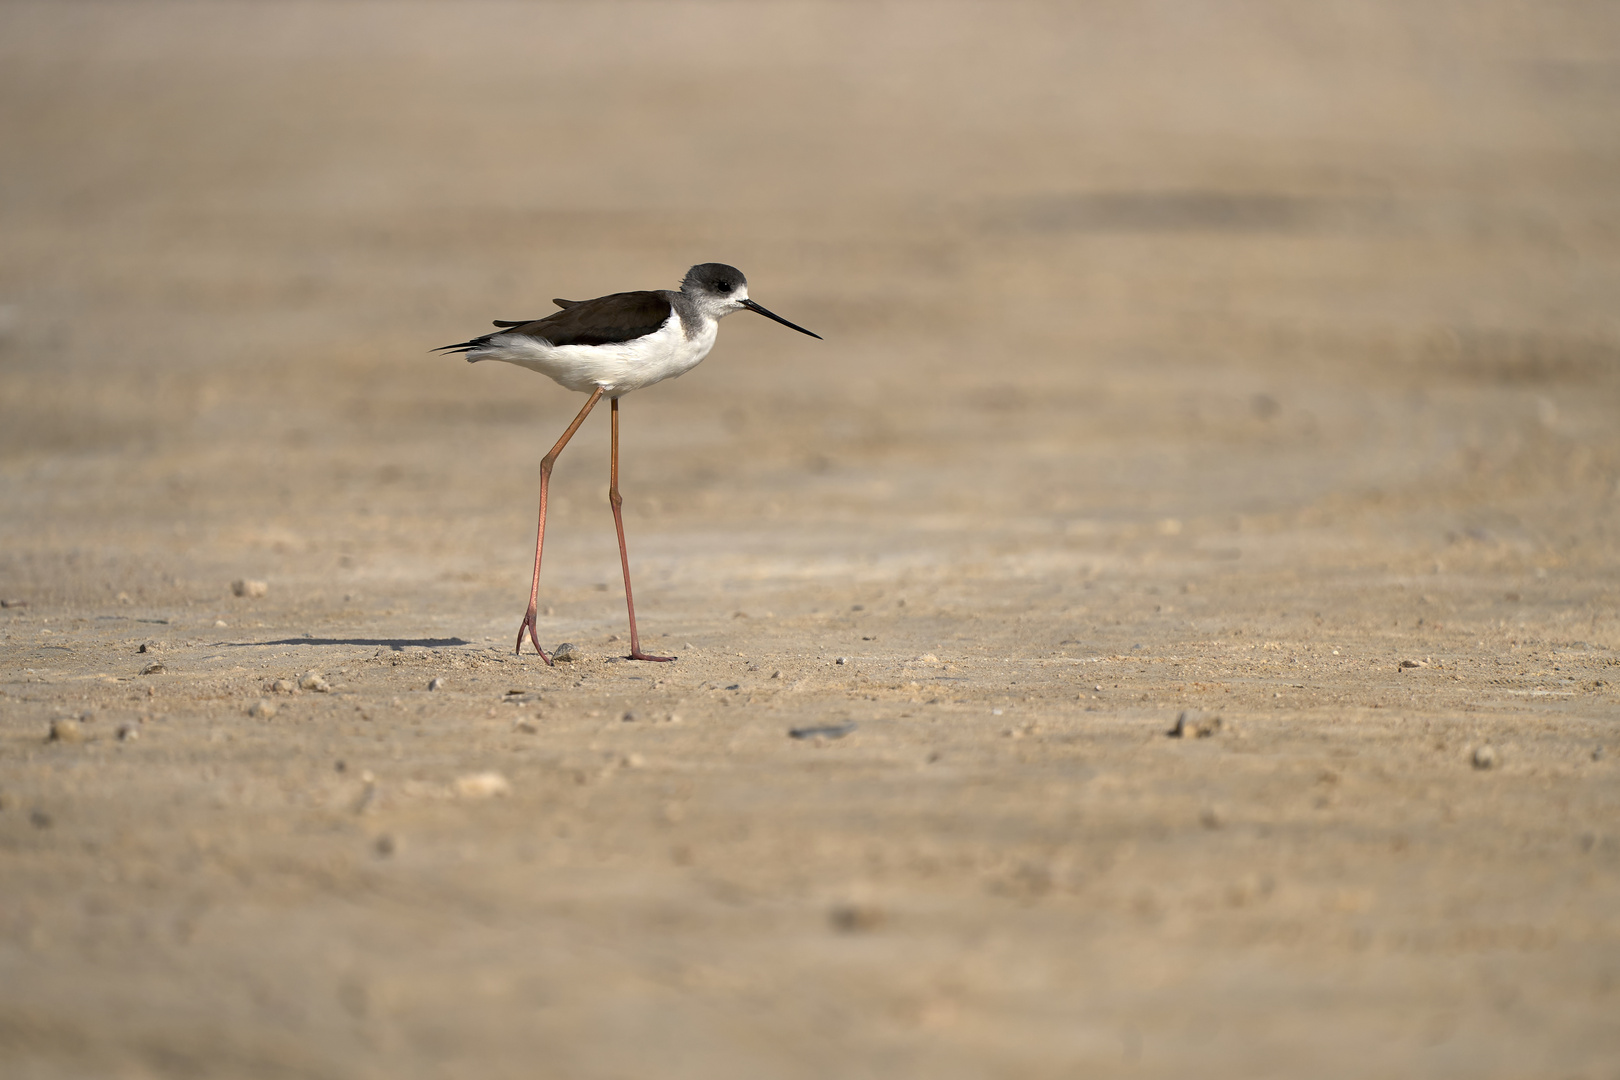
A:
[723,286]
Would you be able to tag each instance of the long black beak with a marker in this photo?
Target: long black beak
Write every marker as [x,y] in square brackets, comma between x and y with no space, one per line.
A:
[751,306]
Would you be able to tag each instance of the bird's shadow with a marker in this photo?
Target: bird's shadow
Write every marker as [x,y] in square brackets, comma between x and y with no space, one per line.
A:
[395,644]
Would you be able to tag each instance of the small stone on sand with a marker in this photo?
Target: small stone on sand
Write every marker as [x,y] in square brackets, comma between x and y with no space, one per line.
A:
[436,683]
[566,653]
[66,730]
[822,731]
[311,681]
[851,918]
[154,668]
[1193,723]
[250,589]
[263,709]
[1484,757]
[482,785]
[282,686]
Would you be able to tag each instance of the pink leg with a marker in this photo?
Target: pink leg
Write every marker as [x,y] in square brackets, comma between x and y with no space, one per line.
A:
[624,556]
[546,464]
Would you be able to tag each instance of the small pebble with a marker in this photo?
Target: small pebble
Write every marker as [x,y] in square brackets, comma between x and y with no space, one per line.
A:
[436,683]
[128,732]
[628,718]
[825,731]
[263,709]
[527,727]
[850,918]
[482,785]
[154,668]
[566,653]
[842,660]
[311,681]
[368,792]
[66,730]
[928,658]
[282,686]
[777,674]
[149,646]
[1193,724]
[1413,663]
[1484,757]
[632,761]
[250,589]
[39,819]
[385,845]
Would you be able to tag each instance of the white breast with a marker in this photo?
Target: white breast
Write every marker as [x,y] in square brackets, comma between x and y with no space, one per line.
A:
[617,369]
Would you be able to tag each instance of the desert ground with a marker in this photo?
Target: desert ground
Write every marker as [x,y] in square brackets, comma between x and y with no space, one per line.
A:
[1248,369]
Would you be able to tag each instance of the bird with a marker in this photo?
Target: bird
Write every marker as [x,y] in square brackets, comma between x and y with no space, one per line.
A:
[608,347]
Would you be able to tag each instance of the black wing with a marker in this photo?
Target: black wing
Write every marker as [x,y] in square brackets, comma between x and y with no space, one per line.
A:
[607,320]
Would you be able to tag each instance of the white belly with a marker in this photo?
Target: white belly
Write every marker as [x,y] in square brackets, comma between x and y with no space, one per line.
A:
[617,369]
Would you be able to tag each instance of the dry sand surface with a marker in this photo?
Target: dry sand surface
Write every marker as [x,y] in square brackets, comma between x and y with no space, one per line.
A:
[1257,360]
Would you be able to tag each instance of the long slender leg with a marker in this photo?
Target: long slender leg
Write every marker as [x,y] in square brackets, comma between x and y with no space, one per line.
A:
[624,556]
[546,464]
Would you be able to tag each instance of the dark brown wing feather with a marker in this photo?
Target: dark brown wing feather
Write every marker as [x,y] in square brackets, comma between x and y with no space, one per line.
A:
[606,320]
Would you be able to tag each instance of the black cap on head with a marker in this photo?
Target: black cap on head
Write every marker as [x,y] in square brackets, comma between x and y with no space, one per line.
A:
[713,277]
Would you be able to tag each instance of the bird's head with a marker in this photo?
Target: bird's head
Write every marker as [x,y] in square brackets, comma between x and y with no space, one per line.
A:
[719,290]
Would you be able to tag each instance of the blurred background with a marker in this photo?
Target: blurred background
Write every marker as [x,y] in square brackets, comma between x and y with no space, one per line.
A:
[1159,328]
[1083,269]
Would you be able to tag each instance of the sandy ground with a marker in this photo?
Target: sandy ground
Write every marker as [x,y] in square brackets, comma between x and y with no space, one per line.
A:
[1258,360]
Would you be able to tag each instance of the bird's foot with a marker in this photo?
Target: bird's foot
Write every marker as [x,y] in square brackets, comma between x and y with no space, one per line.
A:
[530,625]
[637,654]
